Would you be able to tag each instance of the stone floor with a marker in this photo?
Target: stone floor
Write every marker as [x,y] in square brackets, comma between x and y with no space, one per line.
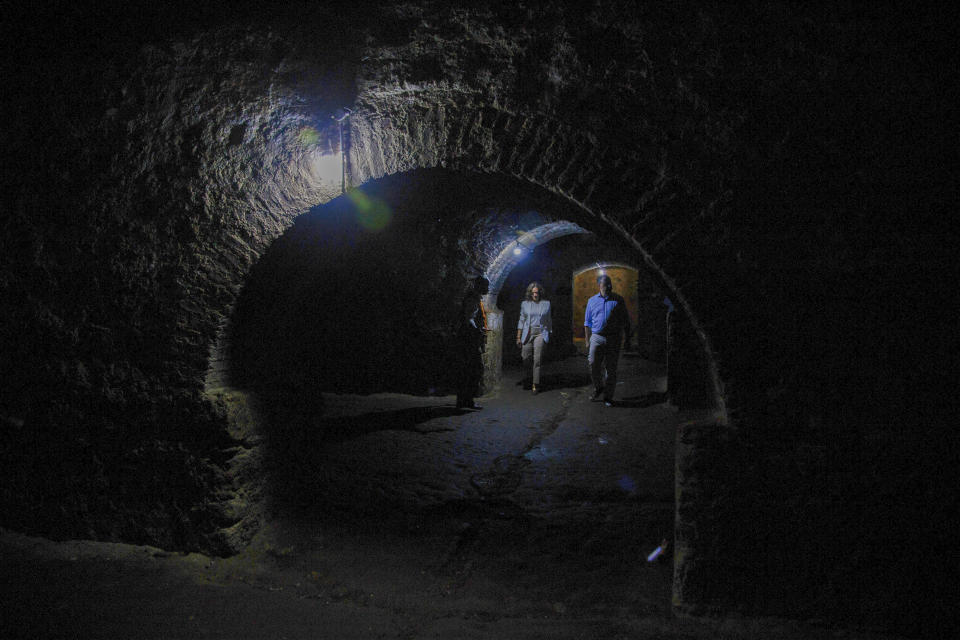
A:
[530,518]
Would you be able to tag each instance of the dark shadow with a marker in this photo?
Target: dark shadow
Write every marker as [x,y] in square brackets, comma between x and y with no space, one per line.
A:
[565,380]
[559,380]
[642,401]
[340,429]
[300,439]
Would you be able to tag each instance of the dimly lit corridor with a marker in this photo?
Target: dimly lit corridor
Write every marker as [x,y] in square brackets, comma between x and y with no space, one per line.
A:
[255,257]
[398,516]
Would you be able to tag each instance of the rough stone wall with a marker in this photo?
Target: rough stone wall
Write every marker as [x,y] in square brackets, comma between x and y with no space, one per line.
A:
[140,191]
[729,145]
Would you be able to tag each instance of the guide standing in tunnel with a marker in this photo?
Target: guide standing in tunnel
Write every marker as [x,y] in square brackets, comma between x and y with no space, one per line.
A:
[533,331]
[471,342]
[604,320]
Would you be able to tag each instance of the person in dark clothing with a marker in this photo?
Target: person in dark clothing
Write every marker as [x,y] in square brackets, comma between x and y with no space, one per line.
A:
[471,337]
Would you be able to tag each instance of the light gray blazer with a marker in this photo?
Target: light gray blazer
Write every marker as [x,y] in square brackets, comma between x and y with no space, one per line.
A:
[529,316]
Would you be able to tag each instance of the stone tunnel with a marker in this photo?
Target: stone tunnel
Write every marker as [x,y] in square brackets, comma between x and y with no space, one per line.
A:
[203,210]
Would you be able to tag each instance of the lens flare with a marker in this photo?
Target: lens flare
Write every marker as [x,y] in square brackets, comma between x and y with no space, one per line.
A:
[309,136]
[373,214]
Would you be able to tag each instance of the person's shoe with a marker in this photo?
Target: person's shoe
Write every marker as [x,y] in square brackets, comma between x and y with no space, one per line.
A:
[597,396]
[607,402]
[535,390]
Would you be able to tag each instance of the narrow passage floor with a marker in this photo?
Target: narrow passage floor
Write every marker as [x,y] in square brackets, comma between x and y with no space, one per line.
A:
[532,517]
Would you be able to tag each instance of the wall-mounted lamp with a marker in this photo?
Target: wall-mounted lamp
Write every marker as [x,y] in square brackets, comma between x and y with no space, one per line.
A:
[518,250]
[340,115]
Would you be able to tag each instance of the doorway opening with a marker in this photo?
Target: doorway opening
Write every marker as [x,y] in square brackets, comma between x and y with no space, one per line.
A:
[626,281]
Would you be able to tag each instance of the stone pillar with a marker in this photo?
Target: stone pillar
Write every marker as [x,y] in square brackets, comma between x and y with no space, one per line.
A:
[698,578]
[493,356]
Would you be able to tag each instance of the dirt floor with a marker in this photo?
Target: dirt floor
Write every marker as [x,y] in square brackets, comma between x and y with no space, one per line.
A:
[532,517]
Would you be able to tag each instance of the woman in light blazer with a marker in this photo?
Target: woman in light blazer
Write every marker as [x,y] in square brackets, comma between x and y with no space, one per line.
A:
[533,330]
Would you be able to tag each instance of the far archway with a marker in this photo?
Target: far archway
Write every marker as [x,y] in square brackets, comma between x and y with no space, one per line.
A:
[509,257]
[555,265]
[584,285]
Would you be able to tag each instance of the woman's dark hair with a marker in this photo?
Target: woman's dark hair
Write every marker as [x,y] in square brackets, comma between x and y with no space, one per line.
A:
[529,294]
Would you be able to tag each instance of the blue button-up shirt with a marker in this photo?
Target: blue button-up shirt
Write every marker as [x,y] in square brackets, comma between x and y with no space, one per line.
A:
[606,316]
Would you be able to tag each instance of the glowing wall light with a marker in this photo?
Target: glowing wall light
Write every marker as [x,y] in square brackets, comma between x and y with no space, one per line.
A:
[330,167]
[326,168]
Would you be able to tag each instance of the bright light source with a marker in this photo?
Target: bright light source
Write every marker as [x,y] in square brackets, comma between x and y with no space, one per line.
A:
[326,167]
[518,250]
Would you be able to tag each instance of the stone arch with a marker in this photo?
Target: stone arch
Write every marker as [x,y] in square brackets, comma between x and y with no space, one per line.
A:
[604,264]
[136,219]
[397,129]
[496,273]
[407,128]
[436,128]
[500,268]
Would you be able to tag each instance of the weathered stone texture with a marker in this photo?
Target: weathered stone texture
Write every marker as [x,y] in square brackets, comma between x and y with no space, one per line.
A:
[143,183]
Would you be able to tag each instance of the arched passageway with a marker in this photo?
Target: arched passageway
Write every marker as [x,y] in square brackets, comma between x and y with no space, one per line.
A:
[341,333]
[725,147]
[549,497]
[515,252]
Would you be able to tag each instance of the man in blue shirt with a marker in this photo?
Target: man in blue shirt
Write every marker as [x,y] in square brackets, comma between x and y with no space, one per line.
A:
[604,320]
